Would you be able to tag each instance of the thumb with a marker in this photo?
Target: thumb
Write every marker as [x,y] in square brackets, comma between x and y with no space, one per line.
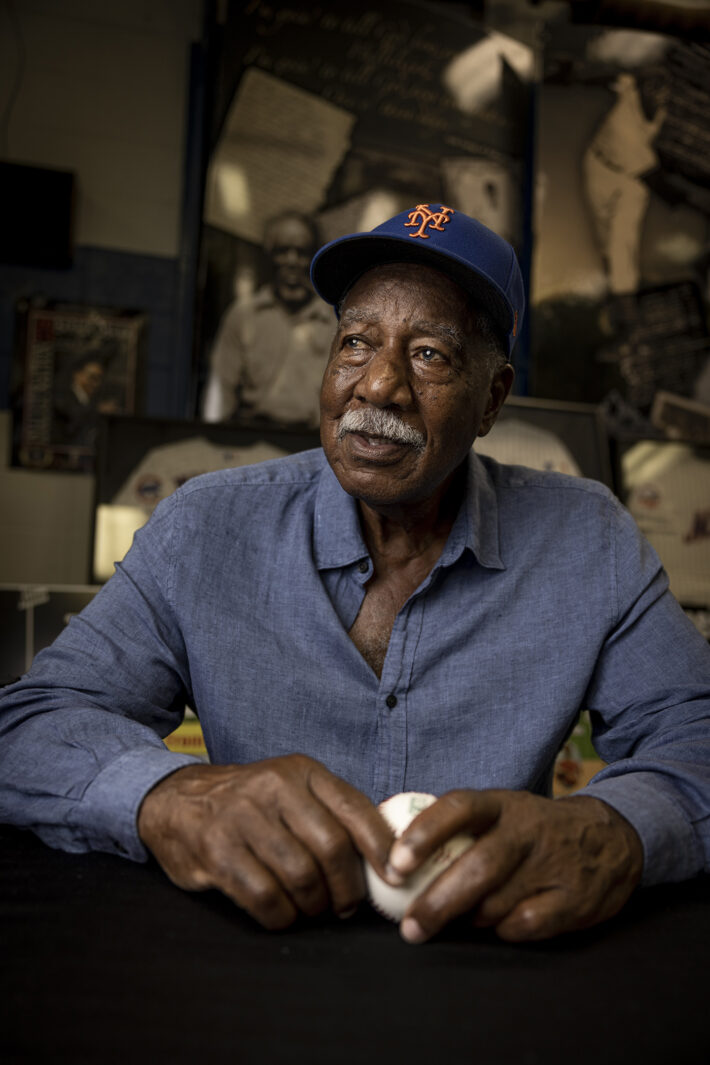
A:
[469,811]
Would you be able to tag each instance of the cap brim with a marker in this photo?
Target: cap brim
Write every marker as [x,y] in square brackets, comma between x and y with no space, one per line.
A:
[338,265]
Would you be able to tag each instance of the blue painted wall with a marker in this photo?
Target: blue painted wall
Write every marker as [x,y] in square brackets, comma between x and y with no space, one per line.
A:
[99,277]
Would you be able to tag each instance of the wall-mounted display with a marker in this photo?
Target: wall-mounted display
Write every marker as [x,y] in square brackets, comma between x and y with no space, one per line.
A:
[620,275]
[77,363]
[327,120]
[666,486]
[142,460]
[551,435]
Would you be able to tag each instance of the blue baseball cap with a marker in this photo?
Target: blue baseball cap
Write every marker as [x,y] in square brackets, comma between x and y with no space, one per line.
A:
[477,259]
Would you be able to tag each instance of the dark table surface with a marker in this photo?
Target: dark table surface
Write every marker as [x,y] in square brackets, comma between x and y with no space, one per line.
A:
[104,961]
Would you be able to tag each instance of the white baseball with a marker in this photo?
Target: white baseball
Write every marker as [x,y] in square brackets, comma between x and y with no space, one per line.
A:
[399,811]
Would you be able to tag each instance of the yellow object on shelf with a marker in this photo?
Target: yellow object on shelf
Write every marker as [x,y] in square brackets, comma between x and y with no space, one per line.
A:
[188,739]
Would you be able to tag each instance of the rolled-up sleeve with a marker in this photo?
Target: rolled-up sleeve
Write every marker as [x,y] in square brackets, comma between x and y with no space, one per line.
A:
[81,733]
[650,708]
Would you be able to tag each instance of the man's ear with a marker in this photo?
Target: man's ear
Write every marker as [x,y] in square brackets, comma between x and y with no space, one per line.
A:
[500,387]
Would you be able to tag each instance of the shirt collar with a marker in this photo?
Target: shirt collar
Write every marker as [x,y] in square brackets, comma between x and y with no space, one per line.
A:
[476,525]
[338,539]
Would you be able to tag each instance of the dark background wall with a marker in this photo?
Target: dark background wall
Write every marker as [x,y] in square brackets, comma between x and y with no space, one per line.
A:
[102,90]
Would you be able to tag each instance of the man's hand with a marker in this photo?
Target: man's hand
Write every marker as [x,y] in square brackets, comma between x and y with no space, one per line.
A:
[538,866]
[278,837]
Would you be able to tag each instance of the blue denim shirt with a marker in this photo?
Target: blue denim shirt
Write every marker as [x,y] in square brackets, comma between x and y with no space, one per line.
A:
[237,598]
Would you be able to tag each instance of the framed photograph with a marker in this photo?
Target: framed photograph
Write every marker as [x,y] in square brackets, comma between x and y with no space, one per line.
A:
[142,460]
[549,434]
[618,311]
[666,486]
[77,364]
[327,120]
[681,419]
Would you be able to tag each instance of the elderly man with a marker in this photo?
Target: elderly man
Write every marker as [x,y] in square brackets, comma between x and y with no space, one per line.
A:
[271,347]
[390,613]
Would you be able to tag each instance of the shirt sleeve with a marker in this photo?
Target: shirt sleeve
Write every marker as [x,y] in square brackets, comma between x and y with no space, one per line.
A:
[80,734]
[649,703]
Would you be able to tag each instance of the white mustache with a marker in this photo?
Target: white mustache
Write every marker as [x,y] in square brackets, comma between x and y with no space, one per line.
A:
[382,423]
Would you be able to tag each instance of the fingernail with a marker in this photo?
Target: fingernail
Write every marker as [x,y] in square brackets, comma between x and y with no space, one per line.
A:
[402,858]
[345,914]
[412,931]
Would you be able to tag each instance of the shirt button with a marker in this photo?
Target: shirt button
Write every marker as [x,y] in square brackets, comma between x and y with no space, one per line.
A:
[364,567]
[391,701]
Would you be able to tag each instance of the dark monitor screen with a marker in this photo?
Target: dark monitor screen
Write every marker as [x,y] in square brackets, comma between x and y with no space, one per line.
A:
[36,216]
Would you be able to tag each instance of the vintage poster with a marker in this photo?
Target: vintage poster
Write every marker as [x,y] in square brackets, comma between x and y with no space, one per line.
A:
[78,363]
[621,269]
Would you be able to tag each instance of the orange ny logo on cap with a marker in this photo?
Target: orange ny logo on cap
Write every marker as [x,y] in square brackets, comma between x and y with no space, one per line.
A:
[424,217]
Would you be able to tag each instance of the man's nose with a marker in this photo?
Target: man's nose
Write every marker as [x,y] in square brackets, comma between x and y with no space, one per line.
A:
[385,381]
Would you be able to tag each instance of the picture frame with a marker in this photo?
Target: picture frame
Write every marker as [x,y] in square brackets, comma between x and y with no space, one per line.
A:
[419,98]
[567,437]
[665,484]
[141,460]
[77,363]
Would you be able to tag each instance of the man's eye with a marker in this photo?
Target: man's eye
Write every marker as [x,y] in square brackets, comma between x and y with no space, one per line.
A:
[430,355]
[353,343]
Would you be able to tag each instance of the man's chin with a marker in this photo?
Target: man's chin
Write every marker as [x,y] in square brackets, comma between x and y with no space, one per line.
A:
[380,481]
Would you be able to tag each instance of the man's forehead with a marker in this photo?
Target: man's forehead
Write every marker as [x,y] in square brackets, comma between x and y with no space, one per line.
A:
[449,321]
[361,314]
